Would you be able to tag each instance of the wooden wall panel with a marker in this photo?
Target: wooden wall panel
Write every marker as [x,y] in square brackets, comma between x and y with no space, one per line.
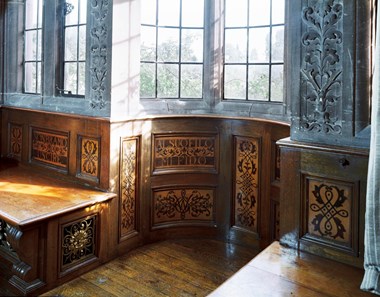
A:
[88,158]
[247,152]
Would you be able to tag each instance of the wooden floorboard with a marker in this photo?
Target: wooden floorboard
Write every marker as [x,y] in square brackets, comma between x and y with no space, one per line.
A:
[189,267]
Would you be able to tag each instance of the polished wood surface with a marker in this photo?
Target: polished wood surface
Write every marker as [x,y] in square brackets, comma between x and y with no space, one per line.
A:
[188,267]
[282,271]
[40,196]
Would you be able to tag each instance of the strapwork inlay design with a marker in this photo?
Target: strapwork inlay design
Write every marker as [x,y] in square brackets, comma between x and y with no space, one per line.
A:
[329,212]
[78,241]
[90,157]
[184,204]
[128,180]
[246,182]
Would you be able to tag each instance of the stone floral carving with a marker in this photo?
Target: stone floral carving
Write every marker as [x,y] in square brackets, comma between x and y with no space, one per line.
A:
[322,67]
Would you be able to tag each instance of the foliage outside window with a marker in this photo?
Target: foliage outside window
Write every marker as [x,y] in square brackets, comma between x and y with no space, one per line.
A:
[71,58]
[33,46]
[173,47]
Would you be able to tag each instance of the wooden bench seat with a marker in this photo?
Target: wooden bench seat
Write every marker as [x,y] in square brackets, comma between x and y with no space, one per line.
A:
[49,228]
[282,271]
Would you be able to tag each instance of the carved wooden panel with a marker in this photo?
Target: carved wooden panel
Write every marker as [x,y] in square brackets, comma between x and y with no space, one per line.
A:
[246,182]
[185,152]
[329,216]
[78,242]
[50,148]
[15,140]
[277,162]
[89,157]
[183,205]
[128,186]
[321,72]
[275,220]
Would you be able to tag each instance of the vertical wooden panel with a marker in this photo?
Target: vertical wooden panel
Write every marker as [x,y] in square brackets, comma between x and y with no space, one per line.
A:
[246,183]
[128,187]
[89,158]
[15,141]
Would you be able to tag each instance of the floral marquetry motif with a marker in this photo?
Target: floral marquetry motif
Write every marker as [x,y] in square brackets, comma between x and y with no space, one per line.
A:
[329,211]
[185,152]
[246,183]
[128,184]
[321,72]
[90,156]
[78,241]
[50,147]
[15,141]
[184,205]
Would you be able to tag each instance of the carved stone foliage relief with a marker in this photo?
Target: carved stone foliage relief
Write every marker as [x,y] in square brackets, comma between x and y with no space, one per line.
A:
[98,53]
[321,73]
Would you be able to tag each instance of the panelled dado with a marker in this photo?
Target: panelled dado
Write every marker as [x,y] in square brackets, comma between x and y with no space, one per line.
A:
[174,176]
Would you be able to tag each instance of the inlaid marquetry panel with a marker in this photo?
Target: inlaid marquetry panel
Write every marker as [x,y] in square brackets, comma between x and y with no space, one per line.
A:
[15,140]
[128,186]
[328,208]
[277,162]
[185,152]
[89,160]
[246,182]
[183,205]
[78,242]
[50,147]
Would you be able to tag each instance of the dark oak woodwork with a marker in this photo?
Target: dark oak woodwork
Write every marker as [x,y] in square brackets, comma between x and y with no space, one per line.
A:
[281,271]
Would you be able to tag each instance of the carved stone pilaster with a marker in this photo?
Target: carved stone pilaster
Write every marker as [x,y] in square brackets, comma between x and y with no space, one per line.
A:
[321,92]
[99,53]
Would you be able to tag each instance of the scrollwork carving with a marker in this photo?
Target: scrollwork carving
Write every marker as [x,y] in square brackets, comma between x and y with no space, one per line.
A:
[322,67]
[98,52]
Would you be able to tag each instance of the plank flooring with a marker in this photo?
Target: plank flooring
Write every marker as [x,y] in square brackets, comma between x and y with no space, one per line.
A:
[168,268]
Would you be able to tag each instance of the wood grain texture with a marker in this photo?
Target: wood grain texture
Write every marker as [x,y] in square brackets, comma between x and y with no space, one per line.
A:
[191,267]
[281,271]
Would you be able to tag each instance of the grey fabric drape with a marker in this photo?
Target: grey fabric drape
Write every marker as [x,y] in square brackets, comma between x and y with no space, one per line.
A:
[371,280]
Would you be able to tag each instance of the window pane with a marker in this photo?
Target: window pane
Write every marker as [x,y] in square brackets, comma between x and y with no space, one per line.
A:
[148,43]
[191,81]
[30,77]
[167,81]
[259,12]
[81,78]
[39,45]
[168,45]
[83,12]
[38,70]
[71,77]
[278,11]
[168,12]
[31,15]
[277,83]
[30,45]
[147,80]
[259,45]
[258,82]
[234,82]
[71,43]
[72,10]
[236,15]
[192,13]
[192,45]
[236,45]
[148,12]
[82,43]
[278,44]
